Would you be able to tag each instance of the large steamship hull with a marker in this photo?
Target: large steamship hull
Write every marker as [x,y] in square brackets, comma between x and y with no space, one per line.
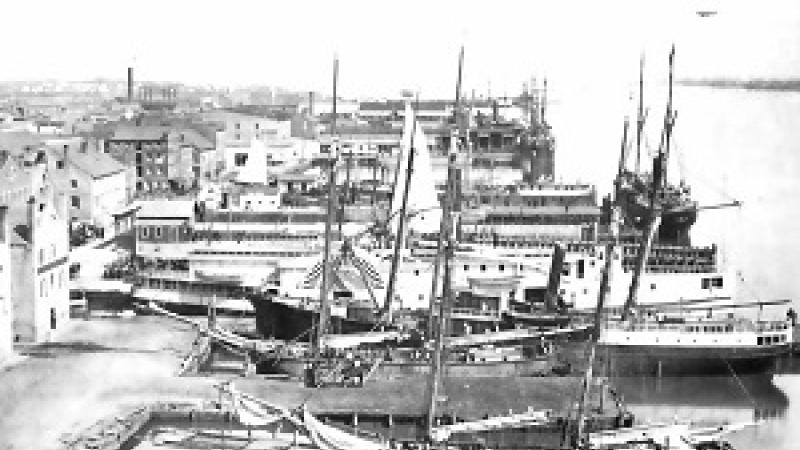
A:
[278,320]
[628,360]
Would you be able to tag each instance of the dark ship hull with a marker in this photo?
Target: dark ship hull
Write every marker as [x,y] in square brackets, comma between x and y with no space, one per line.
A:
[621,360]
[279,320]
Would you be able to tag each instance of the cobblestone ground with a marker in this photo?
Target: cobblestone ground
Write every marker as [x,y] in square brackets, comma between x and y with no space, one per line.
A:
[98,368]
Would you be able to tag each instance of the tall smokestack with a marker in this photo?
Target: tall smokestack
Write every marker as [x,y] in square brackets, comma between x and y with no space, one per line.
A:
[130,84]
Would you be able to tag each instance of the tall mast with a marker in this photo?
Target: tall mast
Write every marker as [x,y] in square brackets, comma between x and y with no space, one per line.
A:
[669,117]
[605,281]
[445,238]
[454,137]
[461,126]
[658,179]
[322,326]
[401,222]
[623,156]
[640,116]
[543,108]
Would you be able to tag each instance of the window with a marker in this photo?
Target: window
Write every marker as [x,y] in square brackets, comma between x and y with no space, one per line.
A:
[416,273]
[466,267]
[74,183]
[501,267]
[76,202]
[238,126]
[52,280]
[240,159]
[483,267]
[257,125]
[652,286]
[59,164]
[139,186]
[144,231]
[139,173]
[716,282]
[158,232]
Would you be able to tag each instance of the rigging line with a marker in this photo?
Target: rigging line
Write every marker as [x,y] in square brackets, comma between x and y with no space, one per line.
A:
[697,176]
[741,385]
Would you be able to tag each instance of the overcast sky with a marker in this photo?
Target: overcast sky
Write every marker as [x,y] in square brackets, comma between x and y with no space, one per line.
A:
[386,46]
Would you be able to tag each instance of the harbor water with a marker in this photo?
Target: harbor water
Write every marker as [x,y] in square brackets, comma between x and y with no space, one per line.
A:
[729,144]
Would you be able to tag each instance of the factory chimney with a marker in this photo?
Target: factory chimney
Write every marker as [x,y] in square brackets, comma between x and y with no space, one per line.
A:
[130,84]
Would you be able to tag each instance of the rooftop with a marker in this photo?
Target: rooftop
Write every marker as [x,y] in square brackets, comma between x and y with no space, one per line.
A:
[16,141]
[192,137]
[139,133]
[96,164]
[396,105]
[160,209]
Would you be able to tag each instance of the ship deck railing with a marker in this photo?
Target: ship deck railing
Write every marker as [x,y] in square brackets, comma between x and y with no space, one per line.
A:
[702,326]
[475,312]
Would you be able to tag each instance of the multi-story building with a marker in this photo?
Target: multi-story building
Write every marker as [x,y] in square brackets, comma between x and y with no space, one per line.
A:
[164,158]
[146,149]
[238,129]
[96,185]
[39,257]
[191,157]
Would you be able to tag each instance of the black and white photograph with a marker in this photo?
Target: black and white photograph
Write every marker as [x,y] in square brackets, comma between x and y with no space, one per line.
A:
[378,225]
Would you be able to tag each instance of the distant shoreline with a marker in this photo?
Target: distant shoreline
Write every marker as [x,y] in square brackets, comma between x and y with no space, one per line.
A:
[782,85]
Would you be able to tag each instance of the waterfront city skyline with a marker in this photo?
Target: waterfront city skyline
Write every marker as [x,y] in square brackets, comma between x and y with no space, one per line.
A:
[414,46]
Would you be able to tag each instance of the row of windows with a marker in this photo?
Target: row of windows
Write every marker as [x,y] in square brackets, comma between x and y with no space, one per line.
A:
[710,329]
[42,256]
[768,340]
[152,185]
[145,232]
[147,171]
[44,286]
[708,283]
[482,267]
[279,254]
[565,219]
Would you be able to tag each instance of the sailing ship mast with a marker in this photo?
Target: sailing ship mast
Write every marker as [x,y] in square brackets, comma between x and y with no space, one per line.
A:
[658,180]
[322,326]
[446,243]
[641,115]
[605,281]
[454,139]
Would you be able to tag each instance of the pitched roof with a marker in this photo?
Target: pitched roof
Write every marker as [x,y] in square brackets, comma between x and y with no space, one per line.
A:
[18,223]
[96,164]
[139,133]
[192,137]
